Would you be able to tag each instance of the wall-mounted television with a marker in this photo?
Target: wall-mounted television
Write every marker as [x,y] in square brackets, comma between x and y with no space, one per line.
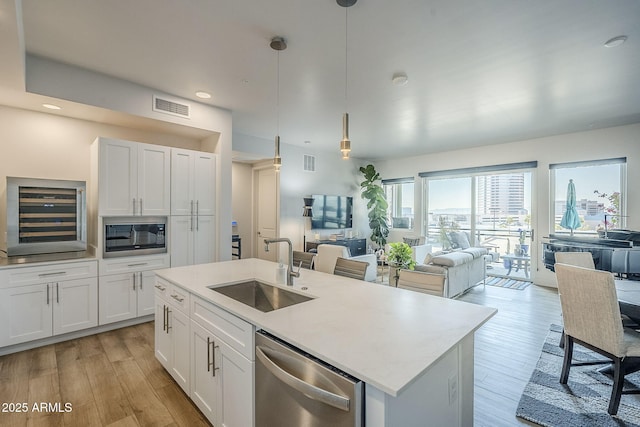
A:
[331,211]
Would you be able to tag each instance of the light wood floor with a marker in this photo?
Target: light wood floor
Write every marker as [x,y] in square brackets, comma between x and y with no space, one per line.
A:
[507,348]
[113,379]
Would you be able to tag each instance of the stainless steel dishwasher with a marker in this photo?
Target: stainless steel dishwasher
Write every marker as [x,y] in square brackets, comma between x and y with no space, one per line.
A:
[294,389]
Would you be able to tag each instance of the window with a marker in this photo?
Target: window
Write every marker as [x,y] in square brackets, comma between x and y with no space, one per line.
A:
[399,195]
[490,204]
[600,194]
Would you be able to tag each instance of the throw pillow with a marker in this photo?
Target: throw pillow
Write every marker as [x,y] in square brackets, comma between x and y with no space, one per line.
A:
[459,239]
[427,259]
[411,241]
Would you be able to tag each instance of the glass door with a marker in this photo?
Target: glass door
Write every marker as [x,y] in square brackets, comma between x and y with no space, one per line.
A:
[492,210]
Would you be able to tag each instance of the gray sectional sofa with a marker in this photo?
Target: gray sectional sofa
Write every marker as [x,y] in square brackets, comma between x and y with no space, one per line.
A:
[462,269]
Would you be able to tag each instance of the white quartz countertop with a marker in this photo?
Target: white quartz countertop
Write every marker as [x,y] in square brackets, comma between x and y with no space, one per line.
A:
[384,336]
[45,259]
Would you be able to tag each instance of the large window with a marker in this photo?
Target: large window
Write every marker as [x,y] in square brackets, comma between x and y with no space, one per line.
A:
[399,195]
[600,188]
[490,205]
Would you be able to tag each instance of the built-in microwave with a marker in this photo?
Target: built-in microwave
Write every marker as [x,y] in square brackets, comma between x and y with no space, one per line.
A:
[135,235]
[45,216]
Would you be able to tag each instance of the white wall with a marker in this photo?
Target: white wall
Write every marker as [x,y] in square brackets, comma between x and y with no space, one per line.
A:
[41,145]
[333,176]
[241,204]
[622,141]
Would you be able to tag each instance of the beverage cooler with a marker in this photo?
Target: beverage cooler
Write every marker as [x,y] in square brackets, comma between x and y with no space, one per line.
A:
[45,216]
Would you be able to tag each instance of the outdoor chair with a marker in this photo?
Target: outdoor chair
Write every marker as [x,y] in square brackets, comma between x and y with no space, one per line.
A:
[592,319]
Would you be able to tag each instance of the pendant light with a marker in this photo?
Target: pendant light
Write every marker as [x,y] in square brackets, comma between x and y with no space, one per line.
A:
[345,144]
[277,44]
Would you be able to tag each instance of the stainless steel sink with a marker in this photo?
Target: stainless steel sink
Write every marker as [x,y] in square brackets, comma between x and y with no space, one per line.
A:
[260,295]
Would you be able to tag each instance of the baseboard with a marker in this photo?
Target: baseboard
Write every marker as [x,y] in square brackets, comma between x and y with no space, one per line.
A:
[73,335]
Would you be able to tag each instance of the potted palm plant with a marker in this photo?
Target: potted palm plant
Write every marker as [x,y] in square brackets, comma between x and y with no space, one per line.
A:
[399,257]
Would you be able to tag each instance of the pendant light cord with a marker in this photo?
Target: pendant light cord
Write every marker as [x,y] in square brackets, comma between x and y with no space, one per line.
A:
[278,95]
[346,58]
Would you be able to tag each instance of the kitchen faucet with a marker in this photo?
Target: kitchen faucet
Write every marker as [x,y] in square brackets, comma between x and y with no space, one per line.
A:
[291,274]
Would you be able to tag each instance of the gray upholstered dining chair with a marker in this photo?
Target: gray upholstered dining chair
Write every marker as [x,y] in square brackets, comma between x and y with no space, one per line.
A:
[303,259]
[579,259]
[350,268]
[592,319]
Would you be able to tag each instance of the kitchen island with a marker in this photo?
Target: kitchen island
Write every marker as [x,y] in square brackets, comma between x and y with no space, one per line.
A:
[413,351]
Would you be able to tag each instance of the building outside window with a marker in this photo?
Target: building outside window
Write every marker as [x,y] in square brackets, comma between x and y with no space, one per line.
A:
[399,195]
[600,194]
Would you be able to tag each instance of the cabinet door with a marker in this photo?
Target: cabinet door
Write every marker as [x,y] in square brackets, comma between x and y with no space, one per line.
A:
[181,241]
[180,354]
[26,313]
[117,298]
[204,383]
[204,240]
[235,387]
[144,283]
[205,183]
[153,180]
[162,336]
[118,180]
[182,182]
[75,305]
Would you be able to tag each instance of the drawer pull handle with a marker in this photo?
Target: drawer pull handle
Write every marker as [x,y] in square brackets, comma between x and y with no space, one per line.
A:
[162,288]
[137,264]
[175,297]
[57,273]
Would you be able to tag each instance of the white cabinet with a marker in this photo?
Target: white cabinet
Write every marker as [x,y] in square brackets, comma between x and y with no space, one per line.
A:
[42,301]
[192,240]
[221,368]
[193,182]
[127,287]
[133,178]
[172,332]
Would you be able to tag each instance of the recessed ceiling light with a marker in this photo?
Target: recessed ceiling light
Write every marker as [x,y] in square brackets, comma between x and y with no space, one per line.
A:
[400,79]
[203,95]
[616,41]
[307,142]
[51,106]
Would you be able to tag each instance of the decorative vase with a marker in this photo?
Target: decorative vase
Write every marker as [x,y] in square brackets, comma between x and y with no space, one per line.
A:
[525,249]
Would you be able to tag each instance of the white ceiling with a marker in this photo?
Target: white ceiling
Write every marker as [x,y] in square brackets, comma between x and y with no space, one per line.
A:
[479,72]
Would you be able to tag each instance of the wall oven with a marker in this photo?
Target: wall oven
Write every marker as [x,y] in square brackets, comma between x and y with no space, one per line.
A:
[45,216]
[136,235]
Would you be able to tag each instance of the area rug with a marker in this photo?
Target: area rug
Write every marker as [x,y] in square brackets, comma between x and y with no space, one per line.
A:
[583,401]
[505,282]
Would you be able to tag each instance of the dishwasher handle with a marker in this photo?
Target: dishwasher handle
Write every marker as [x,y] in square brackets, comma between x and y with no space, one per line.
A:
[309,390]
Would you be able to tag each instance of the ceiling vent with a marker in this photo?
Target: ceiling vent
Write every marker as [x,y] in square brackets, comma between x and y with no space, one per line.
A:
[309,163]
[164,105]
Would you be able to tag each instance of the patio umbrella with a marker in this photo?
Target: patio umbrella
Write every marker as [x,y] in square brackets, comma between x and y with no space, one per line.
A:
[570,219]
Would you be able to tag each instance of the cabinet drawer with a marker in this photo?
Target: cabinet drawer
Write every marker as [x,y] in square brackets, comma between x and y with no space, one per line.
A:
[133,264]
[174,295]
[234,331]
[49,273]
